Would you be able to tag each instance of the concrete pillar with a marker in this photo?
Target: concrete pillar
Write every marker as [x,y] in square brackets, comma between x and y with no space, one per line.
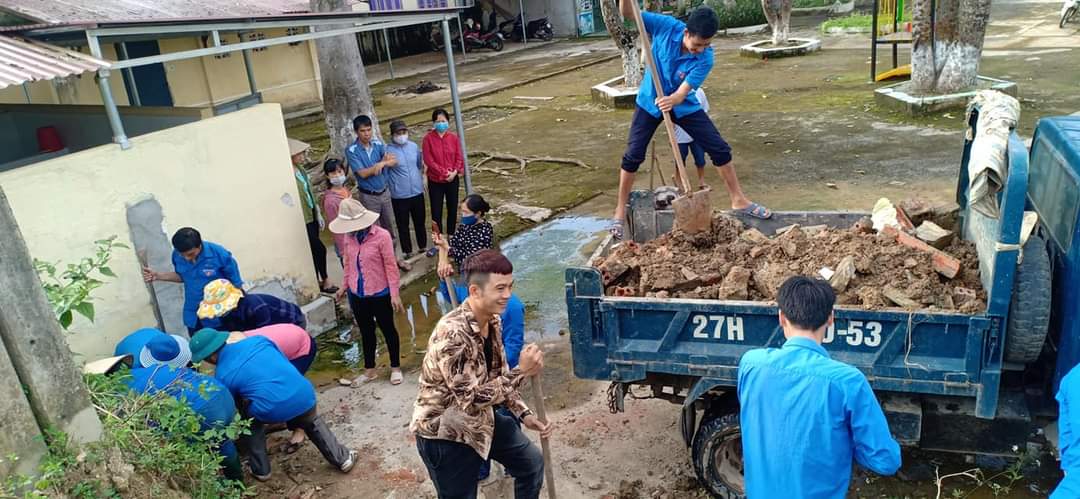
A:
[21,436]
[35,343]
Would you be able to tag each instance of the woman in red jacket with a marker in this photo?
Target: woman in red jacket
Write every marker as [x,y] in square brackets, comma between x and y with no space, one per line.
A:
[445,164]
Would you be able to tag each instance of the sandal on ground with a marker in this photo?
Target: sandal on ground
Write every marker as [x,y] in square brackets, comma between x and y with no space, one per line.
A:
[363,378]
[431,252]
[330,290]
[403,265]
[292,447]
[616,230]
[757,211]
[396,378]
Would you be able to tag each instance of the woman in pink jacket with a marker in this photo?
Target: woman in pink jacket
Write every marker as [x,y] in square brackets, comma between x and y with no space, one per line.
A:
[371,281]
[336,191]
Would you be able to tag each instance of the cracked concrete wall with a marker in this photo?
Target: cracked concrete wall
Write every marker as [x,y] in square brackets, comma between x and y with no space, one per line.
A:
[225,176]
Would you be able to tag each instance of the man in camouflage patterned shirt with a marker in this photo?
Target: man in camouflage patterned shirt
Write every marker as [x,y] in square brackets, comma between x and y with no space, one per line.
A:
[463,378]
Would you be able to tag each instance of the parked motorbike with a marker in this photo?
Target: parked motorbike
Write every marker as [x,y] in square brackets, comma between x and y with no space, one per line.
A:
[475,39]
[1069,12]
[539,29]
[436,39]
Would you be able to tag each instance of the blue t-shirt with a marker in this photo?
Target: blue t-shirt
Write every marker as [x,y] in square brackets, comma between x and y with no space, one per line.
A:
[1068,397]
[133,344]
[205,395]
[214,262]
[804,416]
[404,178]
[255,370]
[674,65]
[360,159]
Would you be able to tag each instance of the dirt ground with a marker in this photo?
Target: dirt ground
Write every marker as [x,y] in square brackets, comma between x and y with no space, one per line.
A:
[794,124]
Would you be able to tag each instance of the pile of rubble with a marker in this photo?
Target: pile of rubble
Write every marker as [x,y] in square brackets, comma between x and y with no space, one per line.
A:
[896,264]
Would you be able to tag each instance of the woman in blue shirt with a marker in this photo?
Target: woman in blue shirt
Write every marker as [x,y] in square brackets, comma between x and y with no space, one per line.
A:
[196,263]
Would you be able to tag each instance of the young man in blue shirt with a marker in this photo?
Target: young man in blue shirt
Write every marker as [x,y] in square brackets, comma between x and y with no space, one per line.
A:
[269,390]
[1069,435]
[368,159]
[805,416]
[683,58]
[196,263]
[406,179]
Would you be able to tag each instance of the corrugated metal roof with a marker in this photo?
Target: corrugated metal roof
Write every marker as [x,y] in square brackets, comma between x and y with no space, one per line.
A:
[24,60]
[91,11]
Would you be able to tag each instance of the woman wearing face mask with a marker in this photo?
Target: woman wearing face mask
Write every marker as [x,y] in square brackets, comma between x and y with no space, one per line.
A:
[371,282]
[474,234]
[336,192]
[445,162]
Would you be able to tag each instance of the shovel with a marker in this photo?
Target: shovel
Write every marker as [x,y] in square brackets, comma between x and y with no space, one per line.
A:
[693,211]
[450,291]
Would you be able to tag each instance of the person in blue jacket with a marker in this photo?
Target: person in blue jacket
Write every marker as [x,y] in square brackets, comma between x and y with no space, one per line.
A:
[133,344]
[1069,435]
[164,368]
[805,416]
[270,390]
[196,263]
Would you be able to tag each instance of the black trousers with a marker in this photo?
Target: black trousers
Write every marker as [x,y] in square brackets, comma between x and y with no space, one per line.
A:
[439,192]
[411,209]
[315,429]
[368,312]
[454,467]
[697,124]
[318,250]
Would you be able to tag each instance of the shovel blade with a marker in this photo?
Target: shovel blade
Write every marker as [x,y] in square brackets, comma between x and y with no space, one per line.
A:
[693,212]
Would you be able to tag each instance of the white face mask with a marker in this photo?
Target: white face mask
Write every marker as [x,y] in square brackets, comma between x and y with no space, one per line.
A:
[401,139]
[339,180]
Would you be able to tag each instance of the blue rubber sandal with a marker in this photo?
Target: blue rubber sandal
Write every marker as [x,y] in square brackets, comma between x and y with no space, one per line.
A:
[757,211]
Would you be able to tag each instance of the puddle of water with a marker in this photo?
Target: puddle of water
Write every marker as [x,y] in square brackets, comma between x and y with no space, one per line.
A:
[540,257]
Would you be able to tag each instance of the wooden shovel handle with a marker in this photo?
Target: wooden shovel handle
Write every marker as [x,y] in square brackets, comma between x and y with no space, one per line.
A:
[650,62]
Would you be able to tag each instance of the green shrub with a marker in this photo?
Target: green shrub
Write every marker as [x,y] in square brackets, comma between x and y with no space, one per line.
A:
[70,291]
[740,13]
[156,438]
[802,4]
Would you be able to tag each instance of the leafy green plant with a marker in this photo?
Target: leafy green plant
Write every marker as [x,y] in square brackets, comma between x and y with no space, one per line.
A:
[155,438]
[69,292]
[738,13]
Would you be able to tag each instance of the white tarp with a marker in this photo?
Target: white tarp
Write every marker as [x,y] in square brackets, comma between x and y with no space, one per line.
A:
[988,165]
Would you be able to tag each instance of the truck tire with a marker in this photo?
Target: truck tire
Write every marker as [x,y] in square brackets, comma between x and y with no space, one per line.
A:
[717,456]
[1029,312]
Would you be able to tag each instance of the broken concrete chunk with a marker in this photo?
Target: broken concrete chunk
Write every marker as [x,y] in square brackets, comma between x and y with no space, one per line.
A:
[945,215]
[963,295]
[943,263]
[612,270]
[736,285]
[864,225]
[845,272]
[899,297]
[783,230]
[534,214]
[690,275]
[917,209]
[934,235]
[754,236]
[757,251]
[910,263]
[814,229]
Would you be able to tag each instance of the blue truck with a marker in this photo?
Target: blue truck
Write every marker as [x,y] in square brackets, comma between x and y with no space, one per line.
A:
[947,381]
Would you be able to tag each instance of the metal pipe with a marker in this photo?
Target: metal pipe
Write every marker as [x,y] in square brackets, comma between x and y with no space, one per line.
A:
[386,40]
[250,71]
[461,35]
[130,77]
[455,99]
[26,92]
[111,111]
[524,34]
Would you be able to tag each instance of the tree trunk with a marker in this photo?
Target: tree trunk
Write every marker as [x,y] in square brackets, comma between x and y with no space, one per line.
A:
[778,14]
[346,93]
[945,53]
[627,42]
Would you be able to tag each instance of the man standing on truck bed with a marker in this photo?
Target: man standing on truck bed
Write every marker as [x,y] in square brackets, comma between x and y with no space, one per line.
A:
[684,58]
[803,415]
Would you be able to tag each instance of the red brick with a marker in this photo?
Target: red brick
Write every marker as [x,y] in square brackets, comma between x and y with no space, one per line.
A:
[944,263]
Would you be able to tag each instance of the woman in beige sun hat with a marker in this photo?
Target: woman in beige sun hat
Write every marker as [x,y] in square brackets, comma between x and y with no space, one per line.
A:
[371,282]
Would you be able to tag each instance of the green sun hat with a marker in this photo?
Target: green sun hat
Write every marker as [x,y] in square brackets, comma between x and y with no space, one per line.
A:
[206,342]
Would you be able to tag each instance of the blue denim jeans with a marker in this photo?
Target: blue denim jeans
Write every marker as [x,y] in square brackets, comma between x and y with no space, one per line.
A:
[454,467]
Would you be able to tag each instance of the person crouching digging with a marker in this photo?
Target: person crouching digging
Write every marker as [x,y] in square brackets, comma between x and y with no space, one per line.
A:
[268,389]
[463,377]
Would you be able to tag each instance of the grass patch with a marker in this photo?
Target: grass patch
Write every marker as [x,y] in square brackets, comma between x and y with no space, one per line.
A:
[802,4]
[861,21]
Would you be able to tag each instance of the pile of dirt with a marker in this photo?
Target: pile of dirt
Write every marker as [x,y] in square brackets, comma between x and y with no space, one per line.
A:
[731,262]
[420,87]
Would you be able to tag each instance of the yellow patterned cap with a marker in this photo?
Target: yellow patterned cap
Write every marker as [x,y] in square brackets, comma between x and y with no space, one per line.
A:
[219,298]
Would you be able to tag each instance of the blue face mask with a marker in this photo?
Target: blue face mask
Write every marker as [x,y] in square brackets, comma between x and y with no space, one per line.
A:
[442,126]
[361,234]
[468,219]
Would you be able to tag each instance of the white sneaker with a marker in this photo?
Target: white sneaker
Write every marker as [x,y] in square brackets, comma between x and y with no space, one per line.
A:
[347,466]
